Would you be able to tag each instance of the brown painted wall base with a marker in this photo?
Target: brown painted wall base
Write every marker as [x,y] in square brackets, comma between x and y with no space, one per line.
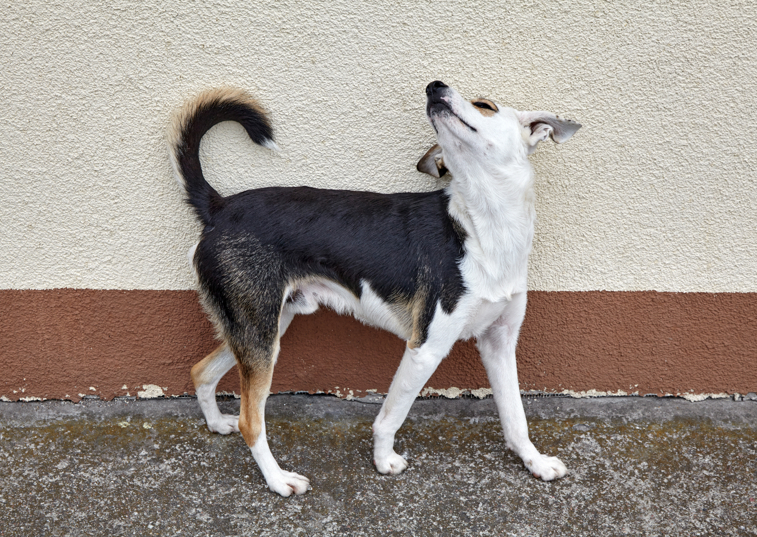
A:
[67,343]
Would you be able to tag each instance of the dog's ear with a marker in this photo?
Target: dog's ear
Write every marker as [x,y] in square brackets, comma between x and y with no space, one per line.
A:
[541,125]
[432,162]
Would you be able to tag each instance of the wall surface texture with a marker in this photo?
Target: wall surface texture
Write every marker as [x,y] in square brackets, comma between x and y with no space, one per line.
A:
[645,259]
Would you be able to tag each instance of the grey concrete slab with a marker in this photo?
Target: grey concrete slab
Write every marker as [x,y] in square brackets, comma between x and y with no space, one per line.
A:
[638,466]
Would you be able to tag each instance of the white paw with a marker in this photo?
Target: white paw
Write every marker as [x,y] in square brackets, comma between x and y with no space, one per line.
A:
[288,483]
[391,465]
[225,424]
[546,468]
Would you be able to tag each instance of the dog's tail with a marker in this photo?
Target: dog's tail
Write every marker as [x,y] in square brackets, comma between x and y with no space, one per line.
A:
[189,126]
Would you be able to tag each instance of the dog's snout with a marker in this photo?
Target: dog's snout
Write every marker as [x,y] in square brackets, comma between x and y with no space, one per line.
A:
[434,86]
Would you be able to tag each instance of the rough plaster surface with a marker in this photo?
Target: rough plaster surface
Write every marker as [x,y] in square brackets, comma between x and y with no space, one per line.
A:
[656,192]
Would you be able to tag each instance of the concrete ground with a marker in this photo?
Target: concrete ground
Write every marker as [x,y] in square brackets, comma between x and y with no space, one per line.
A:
[638,466]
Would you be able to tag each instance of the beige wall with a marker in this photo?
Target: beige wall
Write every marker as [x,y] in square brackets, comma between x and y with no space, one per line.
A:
[657,191]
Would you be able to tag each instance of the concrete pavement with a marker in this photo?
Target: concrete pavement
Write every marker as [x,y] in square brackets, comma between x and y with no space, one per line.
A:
[638,466]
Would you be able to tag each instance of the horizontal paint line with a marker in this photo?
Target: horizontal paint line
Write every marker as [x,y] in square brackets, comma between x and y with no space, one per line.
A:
[69,343]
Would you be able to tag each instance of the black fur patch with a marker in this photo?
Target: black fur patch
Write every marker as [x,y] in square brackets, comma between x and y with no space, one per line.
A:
[261,239]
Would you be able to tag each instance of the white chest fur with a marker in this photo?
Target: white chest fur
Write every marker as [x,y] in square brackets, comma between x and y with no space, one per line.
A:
[499,230]
[481,315]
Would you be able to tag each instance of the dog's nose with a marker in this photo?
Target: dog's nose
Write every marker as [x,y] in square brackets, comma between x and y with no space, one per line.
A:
[435,85]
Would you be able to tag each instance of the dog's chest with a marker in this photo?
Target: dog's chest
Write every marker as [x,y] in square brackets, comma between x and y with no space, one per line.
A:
[481,315]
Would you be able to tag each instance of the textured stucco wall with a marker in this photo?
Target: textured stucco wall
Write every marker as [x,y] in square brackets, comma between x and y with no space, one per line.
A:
[657,191]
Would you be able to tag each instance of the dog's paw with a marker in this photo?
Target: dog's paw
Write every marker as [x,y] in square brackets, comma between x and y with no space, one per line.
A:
[546,468]
[225,424]
[288,483]
[391,465]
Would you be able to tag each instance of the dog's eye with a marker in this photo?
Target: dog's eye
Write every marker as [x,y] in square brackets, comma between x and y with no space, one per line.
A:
[484,105]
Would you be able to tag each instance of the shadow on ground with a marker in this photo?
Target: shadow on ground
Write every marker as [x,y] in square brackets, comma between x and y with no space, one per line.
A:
[638,466]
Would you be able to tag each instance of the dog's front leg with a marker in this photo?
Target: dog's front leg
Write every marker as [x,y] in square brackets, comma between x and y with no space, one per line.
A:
[497,347]
[415,369]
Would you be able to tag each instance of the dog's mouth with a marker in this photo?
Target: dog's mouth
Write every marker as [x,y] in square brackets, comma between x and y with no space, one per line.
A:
[439,107]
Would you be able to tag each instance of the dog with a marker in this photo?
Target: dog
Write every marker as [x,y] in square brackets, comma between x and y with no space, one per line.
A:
[431,267]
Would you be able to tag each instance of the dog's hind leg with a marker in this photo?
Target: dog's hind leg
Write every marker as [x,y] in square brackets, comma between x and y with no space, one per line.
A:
[497,347]
[205,376]
[208,372]
[256,384]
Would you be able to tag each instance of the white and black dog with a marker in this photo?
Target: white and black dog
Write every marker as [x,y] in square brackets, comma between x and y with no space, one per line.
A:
[431,267]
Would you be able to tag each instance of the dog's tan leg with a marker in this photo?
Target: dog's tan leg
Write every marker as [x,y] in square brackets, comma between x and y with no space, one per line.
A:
[256,384]
[497,347]
[205,376]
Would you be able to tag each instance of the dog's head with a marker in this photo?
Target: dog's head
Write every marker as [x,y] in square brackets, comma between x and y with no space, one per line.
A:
[482,135]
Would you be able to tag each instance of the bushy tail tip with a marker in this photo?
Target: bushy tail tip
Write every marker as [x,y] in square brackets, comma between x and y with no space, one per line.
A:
[191,123]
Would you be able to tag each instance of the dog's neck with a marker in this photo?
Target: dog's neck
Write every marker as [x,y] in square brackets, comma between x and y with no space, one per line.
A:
[497,211]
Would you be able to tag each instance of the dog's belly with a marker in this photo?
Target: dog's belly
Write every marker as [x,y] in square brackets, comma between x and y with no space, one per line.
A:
[475,314]
[369,308]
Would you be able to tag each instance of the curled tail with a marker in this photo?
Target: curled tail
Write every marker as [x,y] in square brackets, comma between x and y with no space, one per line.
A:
[189,126]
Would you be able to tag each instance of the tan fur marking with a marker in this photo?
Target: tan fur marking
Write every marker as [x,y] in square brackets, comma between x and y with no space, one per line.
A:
[410,312]
[484,112]
[256,383]
[417,309]
[199,372]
